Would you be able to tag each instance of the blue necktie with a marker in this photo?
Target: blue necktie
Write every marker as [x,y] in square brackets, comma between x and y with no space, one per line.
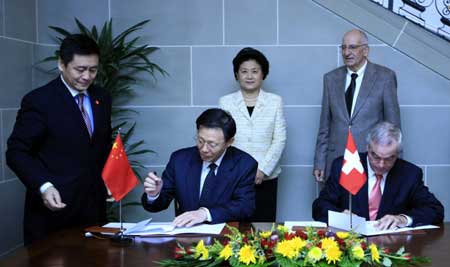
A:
[209,182]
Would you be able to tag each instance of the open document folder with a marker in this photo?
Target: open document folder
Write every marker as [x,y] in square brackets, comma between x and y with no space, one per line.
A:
[147,227]
[360,225]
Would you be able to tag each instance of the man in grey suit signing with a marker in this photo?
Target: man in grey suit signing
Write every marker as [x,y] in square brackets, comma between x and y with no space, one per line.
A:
[358,95]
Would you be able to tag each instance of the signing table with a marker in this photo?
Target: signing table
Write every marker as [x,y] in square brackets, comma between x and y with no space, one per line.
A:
[71,248]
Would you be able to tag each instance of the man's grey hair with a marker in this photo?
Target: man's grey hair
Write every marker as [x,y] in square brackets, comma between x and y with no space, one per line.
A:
[385,134]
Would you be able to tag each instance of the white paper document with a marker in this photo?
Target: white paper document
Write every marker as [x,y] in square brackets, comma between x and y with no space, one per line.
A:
[360,225]
[291,224]
[117,225]
[147,227]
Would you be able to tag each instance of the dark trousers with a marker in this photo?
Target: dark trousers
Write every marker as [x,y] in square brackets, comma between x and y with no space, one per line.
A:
[266,201]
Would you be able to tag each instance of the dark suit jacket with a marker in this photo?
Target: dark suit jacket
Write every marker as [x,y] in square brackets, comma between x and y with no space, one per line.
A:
[404,193]
[233,196]
[376,102]
[50,143]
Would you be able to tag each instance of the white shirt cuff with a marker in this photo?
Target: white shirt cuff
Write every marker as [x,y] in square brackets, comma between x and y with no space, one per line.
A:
[410,220]
[150,199]
[208,215]
[44,187]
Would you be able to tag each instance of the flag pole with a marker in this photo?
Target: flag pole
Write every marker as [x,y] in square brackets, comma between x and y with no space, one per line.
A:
[350,194]
[120,203]
[119,237]
[120,215]
[350,209]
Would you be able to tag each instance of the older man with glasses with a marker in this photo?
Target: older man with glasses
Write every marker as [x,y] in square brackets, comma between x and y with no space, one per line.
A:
[211,182]
[394,194]
[358,94]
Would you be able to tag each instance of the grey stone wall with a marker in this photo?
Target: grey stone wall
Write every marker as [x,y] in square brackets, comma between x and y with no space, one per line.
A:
[17,37]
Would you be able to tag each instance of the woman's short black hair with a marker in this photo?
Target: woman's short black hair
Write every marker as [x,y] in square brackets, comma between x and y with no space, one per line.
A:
[250,53]
[217,118]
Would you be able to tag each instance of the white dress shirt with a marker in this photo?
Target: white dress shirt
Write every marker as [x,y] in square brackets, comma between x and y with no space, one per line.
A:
[358,82]
[371,180]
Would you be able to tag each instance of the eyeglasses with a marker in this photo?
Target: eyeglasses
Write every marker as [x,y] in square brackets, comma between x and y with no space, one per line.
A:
[209,144]
[377,158]
[351,47]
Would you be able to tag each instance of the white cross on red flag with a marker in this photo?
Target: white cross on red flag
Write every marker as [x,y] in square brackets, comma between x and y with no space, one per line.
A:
[353,176]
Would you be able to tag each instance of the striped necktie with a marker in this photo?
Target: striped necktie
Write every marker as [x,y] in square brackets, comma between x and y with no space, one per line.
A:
[87,121]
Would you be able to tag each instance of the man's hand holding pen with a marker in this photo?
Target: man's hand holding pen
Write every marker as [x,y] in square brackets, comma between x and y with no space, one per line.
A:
[152,184]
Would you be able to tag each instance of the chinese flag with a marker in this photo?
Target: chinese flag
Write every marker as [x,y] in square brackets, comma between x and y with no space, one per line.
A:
[117,173]
[353,176]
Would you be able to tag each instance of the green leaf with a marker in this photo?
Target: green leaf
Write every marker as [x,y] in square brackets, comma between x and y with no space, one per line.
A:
[94,32]
[140,152]
[83,29]
[387,262]
[60,30]
[400,251]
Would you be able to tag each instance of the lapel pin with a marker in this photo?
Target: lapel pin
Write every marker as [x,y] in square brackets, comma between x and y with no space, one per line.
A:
[97,102]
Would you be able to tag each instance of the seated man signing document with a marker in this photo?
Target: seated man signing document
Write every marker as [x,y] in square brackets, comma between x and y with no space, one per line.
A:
[211,182]
[394,194]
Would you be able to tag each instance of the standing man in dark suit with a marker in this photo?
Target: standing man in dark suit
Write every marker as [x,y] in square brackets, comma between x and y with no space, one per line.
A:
[394,193]
[359,94]
[60,143]
[212,182]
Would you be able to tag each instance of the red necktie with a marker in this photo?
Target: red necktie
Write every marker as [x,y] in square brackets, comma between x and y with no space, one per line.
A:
[85,115]
[375,198]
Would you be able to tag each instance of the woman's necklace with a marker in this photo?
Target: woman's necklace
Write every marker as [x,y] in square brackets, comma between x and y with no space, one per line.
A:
[250,100]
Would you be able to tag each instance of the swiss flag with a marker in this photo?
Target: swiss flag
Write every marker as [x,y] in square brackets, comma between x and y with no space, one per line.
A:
[117,173]
[353,176]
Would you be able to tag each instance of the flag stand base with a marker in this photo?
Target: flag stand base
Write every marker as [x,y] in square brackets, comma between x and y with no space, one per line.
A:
[121,239]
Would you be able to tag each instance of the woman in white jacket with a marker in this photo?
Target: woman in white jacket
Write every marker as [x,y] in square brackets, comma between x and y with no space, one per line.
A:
[261,127]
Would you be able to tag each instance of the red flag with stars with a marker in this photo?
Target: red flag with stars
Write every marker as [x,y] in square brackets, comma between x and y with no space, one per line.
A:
[117,173]
[353,176]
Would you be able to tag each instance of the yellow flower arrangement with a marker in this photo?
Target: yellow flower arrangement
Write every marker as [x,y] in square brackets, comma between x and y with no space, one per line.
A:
[266,234]
[333,254]
[342,235]
[357,253]
[286,249]
[328,242]
[226,252]
[298,243]
[201,251]
[314,254]
[247,255]
[282,247]
[374,252]
[282,228]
